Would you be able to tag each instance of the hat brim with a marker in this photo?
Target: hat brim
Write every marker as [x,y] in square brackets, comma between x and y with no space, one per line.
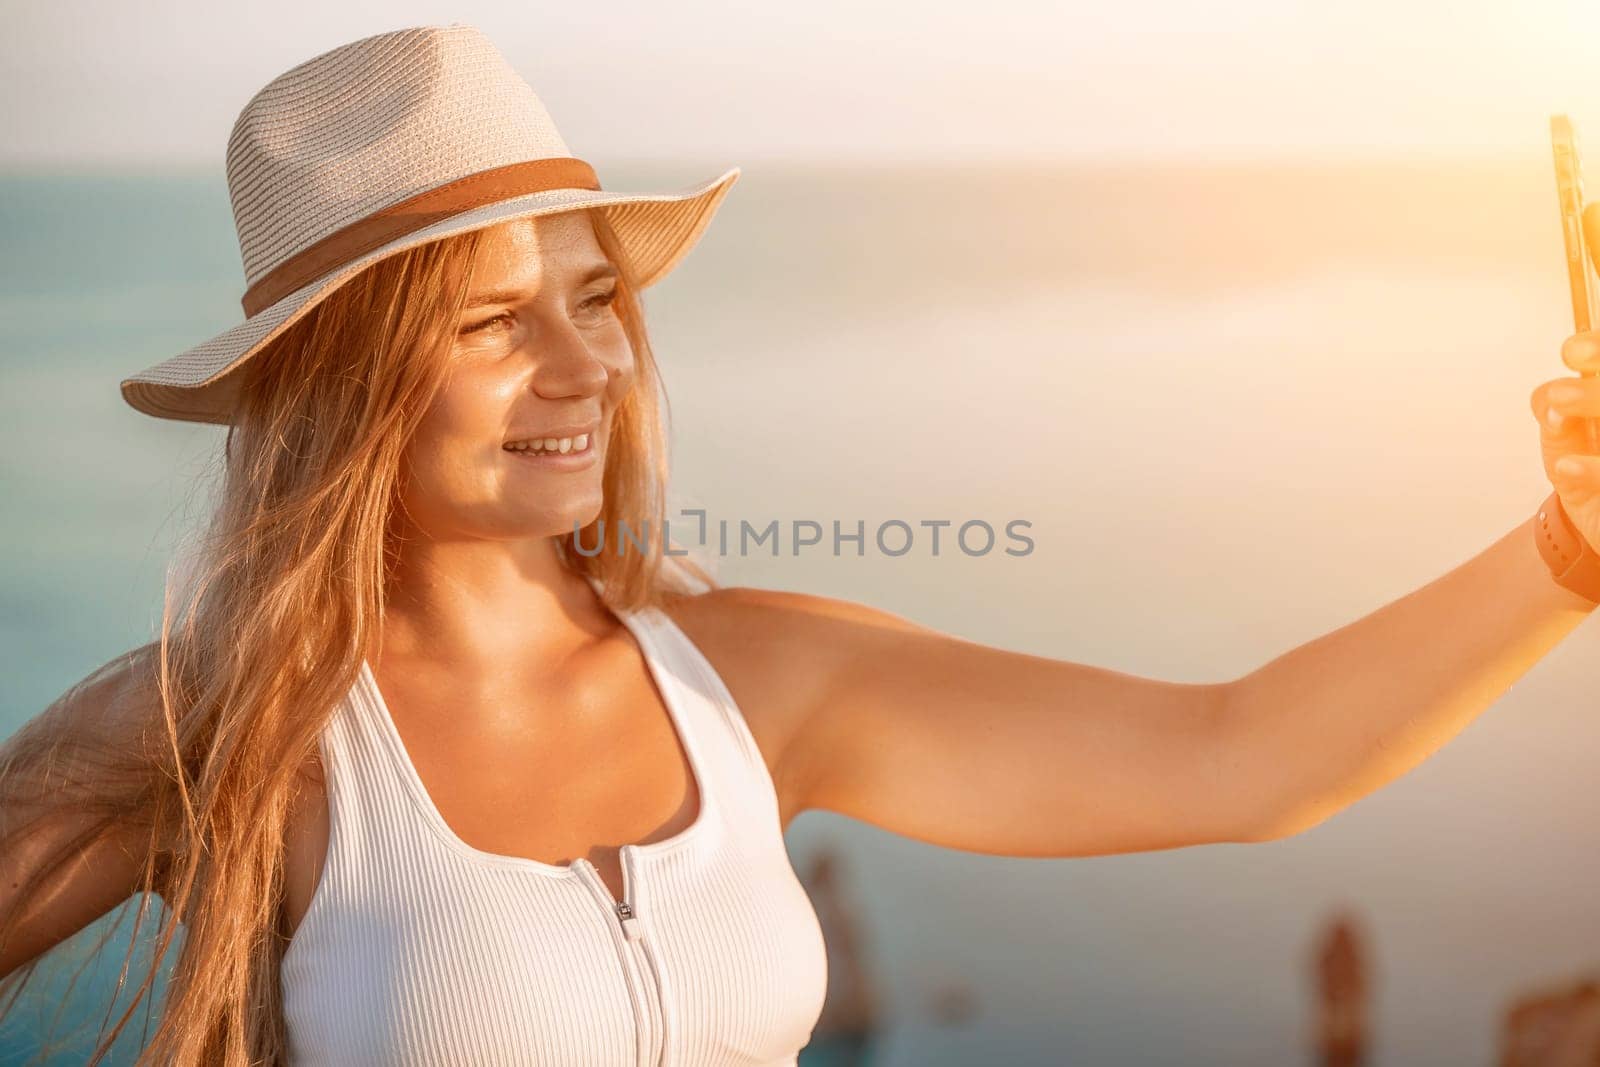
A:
[656,230]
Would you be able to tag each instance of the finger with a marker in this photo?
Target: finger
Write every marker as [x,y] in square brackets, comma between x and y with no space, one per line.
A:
[1575,471]
[1568,396]
[1581,351]
[1551,421]
[1539,401]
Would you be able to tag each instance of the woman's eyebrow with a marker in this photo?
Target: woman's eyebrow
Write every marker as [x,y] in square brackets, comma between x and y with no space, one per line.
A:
[513,296]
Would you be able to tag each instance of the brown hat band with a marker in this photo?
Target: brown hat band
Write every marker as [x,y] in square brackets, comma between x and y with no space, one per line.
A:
[412,214]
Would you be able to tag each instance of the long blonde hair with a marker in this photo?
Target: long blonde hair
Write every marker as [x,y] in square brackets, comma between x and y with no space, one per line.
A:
[285,595]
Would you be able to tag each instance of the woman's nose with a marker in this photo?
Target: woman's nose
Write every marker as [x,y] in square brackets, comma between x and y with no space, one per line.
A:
[566,364]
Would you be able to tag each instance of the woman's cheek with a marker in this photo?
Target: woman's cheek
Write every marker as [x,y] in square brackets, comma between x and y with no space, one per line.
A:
[439,462]
[619,380]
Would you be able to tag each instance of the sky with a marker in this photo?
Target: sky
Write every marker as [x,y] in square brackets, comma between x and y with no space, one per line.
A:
[158,83]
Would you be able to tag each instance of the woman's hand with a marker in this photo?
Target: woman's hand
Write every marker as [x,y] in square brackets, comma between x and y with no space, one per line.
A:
[1560,405]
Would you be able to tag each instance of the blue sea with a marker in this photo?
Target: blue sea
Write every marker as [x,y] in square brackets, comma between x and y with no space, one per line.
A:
[1239,405]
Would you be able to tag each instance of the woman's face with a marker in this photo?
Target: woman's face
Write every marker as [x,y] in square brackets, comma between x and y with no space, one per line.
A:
[539,359]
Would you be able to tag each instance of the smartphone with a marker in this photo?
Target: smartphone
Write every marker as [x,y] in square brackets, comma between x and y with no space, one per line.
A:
[1574,222]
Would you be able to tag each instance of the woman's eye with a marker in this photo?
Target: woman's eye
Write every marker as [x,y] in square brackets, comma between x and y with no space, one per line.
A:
[486,323]
[504,320]
[600,300]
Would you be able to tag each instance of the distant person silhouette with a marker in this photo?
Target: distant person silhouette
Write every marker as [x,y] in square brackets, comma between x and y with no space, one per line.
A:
[1343,995]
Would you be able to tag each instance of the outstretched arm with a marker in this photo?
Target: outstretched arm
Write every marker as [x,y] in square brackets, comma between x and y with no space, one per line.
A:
[978,748]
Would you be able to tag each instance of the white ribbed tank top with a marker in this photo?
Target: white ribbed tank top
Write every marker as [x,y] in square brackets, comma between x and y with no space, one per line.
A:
[418,949]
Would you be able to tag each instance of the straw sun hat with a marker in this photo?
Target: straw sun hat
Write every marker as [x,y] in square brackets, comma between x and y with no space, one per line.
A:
[381,145]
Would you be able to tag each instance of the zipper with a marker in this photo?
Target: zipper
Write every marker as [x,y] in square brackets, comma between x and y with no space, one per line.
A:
[631,920]
[622,935]
[630,933]
[661,1000]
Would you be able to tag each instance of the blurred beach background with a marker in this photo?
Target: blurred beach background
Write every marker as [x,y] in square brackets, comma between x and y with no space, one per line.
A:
[1242,395]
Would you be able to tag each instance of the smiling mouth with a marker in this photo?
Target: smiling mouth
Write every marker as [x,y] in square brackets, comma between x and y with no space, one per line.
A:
[550,446]
[562,453]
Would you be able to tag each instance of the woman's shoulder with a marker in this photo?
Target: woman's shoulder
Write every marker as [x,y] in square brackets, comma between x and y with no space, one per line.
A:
[780,653]
[772,641]
[116,704]
[782,609]
[778,631]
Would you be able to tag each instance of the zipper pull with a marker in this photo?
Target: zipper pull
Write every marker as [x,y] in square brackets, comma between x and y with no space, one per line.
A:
[630,921]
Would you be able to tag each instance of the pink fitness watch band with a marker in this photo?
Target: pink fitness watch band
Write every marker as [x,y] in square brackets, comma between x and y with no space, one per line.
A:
[1572,562]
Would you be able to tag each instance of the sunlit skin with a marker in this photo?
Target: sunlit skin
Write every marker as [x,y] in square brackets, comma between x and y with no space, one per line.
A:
[538,732]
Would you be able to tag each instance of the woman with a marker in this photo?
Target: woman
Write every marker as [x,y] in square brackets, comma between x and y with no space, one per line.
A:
[430,780]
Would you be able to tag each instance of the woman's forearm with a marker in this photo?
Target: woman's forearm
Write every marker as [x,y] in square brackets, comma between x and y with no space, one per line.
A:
[1319,727]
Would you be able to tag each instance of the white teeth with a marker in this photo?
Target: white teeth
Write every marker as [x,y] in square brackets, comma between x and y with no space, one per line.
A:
[551,444]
